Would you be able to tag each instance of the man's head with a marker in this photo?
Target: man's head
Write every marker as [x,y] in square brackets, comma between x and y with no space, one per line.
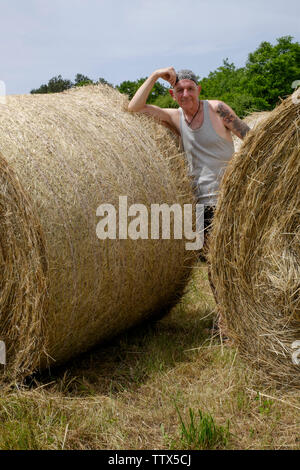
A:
[186,74]
[186,89]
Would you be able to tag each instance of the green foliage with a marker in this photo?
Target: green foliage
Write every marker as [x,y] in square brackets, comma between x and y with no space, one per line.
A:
[270,70]
[130,88]
[41,89]
[24,425]
[223,80]
[55,85]
[201,432]
[165,101]
[265,406]
[227,84]
[81,80]
[267,76]
[104,82]
[58,84]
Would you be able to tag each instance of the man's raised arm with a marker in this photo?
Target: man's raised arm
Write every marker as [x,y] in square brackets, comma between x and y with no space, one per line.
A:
[138,103]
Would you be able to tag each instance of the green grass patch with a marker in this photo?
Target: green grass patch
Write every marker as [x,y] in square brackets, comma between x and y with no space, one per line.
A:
[200,432]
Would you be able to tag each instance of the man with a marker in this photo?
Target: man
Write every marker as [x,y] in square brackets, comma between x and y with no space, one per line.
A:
[204,126]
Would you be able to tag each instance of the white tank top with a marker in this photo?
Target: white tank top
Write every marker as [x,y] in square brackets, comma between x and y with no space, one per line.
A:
[207,154]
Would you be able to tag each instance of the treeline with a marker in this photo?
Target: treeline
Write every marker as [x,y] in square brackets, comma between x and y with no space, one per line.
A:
[58,84]
[267,77]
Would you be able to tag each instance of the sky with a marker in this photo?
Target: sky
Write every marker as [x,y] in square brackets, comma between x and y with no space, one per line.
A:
[129,39]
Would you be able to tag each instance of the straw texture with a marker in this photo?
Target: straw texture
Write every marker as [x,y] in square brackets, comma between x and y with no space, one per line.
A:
[255,249]
[62,289]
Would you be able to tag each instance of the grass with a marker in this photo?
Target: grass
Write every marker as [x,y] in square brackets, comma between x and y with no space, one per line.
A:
[164,385]
[201,432]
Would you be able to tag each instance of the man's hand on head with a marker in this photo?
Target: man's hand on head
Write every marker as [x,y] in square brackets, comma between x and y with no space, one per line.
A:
[168,74]
[232,121]
[138,103]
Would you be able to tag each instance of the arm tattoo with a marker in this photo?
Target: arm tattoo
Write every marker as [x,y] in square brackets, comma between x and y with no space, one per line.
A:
[240,127]
[233,122]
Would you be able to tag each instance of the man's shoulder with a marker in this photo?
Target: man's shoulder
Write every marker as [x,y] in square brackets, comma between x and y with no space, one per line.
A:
[214,104]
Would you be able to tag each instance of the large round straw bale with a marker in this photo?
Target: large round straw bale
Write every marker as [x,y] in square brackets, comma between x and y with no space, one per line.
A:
[255,249]
[63,289]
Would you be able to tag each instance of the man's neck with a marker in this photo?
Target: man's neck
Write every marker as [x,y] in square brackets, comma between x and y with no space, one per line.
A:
[190,111]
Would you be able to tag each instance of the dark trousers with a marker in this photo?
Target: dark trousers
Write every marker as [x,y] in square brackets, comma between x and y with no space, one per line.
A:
[208,217]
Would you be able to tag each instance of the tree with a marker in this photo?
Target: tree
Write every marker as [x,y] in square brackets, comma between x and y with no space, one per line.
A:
[55,85]
[223,80]
[271,70]
[104,82]
[226,84]
[41,89]
[130,88]
[165,101]
[81,80]
[267,76]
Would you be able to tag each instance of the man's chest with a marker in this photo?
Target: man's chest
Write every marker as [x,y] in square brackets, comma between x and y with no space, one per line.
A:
[213,121]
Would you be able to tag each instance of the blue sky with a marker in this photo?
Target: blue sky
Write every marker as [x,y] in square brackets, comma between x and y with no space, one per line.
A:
[128,39]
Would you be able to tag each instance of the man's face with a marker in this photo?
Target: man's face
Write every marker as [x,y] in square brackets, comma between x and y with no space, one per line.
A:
[186,92]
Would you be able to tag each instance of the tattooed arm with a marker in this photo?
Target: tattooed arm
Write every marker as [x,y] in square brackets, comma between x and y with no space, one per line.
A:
[232,121]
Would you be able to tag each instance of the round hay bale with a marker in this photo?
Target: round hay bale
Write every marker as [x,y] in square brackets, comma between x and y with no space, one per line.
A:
[253,121]
[255,249]
[63,289]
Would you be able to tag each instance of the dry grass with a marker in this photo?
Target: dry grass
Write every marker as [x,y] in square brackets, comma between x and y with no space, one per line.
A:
[124,395]
[132,392]
[62,289]
[255,251]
